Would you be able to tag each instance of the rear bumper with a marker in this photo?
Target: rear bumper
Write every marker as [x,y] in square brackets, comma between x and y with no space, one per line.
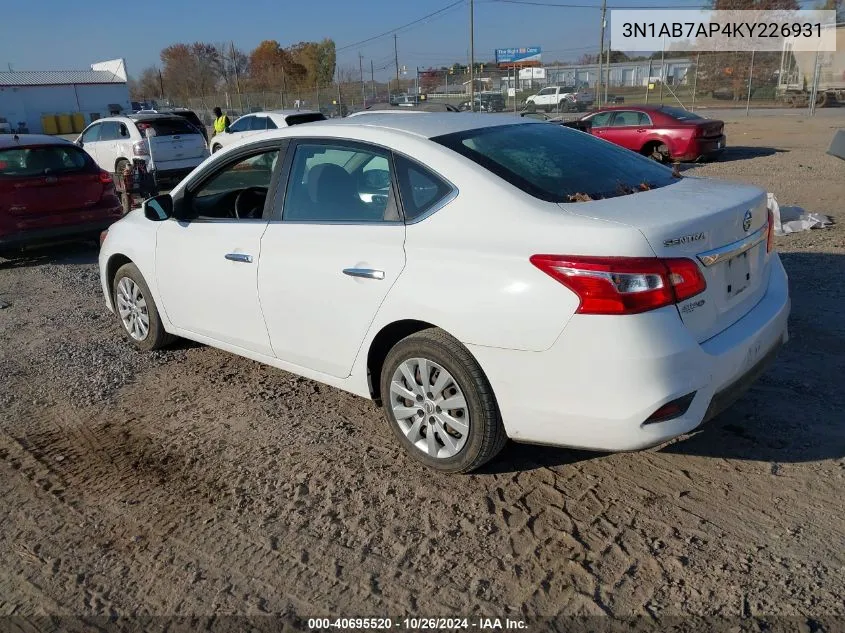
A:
[605,375]
[704,149]
[68,232]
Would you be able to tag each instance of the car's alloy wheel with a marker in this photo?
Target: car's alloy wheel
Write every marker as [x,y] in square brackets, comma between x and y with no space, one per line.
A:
[138,314]
[439,404]
[132,309]
[430,407]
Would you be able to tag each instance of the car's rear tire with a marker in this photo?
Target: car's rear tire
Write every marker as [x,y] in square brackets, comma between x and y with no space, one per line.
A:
[136,311]
[657,151]
[422,372]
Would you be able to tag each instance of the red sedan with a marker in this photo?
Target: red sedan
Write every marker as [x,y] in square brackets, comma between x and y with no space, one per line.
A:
[51,190]
[661,132]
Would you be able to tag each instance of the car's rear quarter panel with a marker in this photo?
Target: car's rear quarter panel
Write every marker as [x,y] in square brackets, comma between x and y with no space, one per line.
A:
[468,268]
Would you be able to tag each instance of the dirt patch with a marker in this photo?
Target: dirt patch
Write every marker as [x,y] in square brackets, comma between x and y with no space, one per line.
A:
[196,482]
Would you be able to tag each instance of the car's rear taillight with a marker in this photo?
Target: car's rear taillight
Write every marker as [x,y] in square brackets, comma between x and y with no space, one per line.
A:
[770,233]
[140,148]
[624,285]
[105,177]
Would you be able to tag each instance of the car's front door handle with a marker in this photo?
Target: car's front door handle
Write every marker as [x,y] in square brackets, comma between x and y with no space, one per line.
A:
[642,129]
[366,273]
[239,257]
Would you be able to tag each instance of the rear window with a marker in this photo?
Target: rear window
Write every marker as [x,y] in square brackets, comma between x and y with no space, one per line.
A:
[558,164]
[43,160]
[680,114]
[167,127]
[307,117]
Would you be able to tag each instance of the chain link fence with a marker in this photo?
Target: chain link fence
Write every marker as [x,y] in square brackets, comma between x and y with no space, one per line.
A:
[707,80]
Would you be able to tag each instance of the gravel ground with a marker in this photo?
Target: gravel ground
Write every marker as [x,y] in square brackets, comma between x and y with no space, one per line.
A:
[192,482]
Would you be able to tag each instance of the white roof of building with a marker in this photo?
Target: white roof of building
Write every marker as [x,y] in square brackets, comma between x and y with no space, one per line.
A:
[58,77]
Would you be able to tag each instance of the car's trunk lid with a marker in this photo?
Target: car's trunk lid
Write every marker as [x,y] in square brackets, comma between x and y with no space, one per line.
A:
[721,226]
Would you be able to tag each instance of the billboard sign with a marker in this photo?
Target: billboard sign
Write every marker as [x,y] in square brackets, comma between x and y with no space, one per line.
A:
[528,56]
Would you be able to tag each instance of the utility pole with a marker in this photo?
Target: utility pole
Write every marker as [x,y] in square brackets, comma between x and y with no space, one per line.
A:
[372,80]
[237,81]
[662,68]
[396,60]
[363,89]
[601,50]
[160,86]
[607,73]
[471,57]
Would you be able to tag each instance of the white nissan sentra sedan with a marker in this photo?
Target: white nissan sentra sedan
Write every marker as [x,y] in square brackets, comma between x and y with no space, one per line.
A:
[480,277]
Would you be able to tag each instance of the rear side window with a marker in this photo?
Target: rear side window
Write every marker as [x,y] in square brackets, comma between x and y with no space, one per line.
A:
[307,117]
[176,126]
[558,164]
[419,188]
[43,161]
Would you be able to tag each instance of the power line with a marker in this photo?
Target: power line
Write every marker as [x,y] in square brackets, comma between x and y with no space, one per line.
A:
[399,28]
[538,3]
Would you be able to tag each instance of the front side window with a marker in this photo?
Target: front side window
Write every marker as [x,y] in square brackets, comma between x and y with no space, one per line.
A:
[547,91]
[558,164]
[625,118]
[419,187]
[238,191]
[340,183]
[602,119]
[242,125]
[92,134]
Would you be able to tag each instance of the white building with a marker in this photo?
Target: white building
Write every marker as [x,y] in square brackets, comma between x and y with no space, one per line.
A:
[26,96]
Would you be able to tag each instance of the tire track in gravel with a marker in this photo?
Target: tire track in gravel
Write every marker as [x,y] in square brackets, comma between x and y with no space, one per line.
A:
[75,440]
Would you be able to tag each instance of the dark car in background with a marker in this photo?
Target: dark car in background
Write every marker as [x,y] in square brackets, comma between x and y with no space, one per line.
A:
[663,133]
[486,102]
[51,190]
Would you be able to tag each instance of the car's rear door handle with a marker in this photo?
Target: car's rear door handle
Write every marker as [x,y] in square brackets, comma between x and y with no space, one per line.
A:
[641,129]
[239,257]
[366,273]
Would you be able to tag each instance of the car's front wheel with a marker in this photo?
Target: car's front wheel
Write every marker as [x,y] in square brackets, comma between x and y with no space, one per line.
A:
[439,403]
[138,314]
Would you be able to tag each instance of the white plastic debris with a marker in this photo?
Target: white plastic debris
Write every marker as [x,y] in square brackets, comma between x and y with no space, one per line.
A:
[794,219]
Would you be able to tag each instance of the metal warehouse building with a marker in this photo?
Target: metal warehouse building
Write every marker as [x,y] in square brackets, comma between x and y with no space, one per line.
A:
[30,99]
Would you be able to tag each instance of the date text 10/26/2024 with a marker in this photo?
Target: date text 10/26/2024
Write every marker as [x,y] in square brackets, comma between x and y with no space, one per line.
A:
[416,624]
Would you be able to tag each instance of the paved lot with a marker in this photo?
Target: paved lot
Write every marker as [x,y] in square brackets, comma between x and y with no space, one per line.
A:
[194,482]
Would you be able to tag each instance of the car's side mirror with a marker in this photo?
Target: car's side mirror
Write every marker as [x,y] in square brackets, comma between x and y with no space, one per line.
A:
[79,143]
[159,207]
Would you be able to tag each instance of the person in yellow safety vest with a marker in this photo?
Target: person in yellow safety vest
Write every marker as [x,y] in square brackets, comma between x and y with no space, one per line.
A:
[221,122]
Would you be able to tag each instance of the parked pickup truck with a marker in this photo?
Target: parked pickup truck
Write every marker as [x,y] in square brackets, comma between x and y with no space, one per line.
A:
[559,99]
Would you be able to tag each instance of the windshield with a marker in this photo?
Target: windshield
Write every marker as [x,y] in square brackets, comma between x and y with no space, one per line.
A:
[680,114]
[558,164]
